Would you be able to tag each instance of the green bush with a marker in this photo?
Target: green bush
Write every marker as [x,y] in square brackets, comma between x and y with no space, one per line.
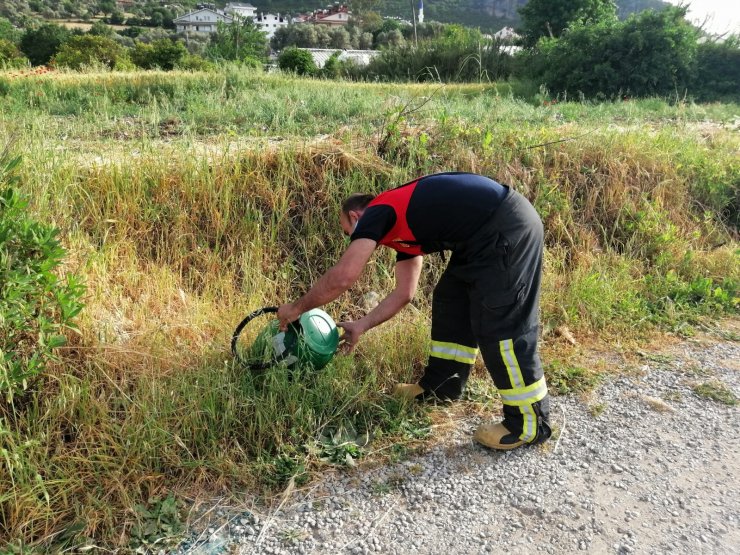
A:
[8,31]
[193,62]
[550,18]
[298,61]
[10,56]
[40,44]
[458,54]
[238,41]
[718,70]
[651,54]
[163,54]
[90,50]
[35,305]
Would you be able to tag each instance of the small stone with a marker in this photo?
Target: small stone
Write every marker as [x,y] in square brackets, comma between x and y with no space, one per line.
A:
[617,468]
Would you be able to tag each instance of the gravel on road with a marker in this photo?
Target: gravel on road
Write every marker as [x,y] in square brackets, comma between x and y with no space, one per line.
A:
[646,465]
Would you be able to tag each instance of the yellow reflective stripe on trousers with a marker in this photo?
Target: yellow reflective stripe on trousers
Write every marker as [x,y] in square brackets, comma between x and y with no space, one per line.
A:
[454,351]
[529,428]
[524,395]
[512,364]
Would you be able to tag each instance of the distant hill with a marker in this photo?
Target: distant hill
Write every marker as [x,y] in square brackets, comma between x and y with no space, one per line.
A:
[486,14]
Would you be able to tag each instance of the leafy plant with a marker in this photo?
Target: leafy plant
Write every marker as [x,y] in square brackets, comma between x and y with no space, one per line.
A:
[652,53]
[159,522]
[342,445]
[36,306]
[298,61]
[563,379]
[286,467]
[89,50]
[716,391]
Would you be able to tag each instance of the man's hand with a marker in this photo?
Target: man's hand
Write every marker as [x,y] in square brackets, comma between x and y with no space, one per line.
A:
[351,335]
[287,313]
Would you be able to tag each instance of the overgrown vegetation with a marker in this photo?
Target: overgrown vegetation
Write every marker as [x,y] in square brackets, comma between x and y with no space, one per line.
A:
[185,200]
[36,307]
[571,48]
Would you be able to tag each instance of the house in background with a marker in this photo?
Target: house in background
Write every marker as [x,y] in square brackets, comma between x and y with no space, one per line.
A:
[240,10]
[269,23]
[204,20]
[360,57]
[507,35]
[335,16]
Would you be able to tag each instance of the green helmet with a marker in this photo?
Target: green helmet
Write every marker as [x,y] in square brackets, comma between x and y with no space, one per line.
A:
[310,341]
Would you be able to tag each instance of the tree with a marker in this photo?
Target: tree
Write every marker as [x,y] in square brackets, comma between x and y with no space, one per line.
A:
[163,54]
[339,38]
[718,70]
[649,54]
[370,21]
[106,6]
[116,18]
[10,56]
[40,44]
[87,50]
[298,61]
[549,18]
[100,29]
[393,39]
[366,41]
[302,35]
[240,40]
[8,31]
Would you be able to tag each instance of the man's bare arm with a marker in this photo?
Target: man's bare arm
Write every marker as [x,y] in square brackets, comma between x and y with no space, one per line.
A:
[333,283]
[407,278]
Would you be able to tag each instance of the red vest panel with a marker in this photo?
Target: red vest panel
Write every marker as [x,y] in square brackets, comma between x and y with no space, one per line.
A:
[400,237]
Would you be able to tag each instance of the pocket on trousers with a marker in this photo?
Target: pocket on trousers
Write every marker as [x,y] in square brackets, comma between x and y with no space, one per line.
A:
[501,311]
[503,298]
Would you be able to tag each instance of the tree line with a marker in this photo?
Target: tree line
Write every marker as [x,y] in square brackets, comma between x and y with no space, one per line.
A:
[574,48]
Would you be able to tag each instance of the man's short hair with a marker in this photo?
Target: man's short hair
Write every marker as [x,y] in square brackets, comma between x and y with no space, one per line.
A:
[356,201]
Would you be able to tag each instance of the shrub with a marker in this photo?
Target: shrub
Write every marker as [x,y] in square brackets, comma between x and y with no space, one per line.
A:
[40,44]
[10,56]
[162,53]
[458,54]
[237,41]
[718,70]
[298,61]
[649,54]
[193,62]
[8,31]
[89,50]
[35,305]
[550,18]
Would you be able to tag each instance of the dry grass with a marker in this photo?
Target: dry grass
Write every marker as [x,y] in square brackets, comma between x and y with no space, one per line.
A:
[177,242]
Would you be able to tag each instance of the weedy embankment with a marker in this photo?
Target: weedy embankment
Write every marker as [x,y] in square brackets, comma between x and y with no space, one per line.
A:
[185,201]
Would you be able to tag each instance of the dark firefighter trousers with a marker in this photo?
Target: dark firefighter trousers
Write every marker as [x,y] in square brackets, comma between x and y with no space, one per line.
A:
[488,298]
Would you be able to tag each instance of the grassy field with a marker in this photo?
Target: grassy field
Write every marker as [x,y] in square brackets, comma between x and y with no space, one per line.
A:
[187,200]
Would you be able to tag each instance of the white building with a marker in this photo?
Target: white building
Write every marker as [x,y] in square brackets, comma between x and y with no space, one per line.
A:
[240,10]
[269,23]
[360,57]
[205,20]
[201,21]
[507,34]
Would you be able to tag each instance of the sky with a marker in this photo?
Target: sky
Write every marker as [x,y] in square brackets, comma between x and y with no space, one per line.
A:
[724,15]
